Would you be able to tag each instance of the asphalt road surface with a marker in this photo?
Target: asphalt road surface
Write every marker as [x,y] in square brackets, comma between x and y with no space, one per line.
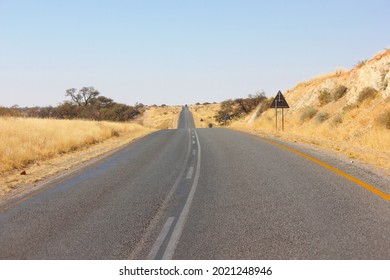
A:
[202,194]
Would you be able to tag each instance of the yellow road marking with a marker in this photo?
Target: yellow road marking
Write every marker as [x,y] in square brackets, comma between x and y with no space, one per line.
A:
[323,164]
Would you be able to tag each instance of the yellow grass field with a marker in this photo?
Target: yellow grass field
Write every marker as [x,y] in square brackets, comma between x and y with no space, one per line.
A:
[205,113]
[34,149]
[166,117]
[27,140]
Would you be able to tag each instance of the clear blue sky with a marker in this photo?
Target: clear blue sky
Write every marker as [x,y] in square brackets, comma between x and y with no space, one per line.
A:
[178,52]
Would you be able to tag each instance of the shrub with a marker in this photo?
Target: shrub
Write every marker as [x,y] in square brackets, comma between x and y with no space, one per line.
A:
[308,114]
[350,107]
[114,133]
[367,93]
[324,97]
[339,92]
[321,117]
[338,119]
[384,119]
[361,63]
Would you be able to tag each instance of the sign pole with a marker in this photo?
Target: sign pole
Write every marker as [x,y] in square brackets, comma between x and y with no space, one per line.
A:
[276,114]
[279,102]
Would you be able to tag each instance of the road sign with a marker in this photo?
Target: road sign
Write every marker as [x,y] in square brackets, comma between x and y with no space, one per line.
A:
[279,101]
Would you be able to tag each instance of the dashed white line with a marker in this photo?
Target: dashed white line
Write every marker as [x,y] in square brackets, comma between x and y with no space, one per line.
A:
[193,152]
[154,221]
[177,231]
[160,239]
[190,172]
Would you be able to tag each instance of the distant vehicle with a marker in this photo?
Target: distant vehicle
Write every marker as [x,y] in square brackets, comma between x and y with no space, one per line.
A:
[186,105]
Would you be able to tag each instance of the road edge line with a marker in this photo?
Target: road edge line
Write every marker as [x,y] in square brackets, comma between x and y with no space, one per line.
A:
[325,165]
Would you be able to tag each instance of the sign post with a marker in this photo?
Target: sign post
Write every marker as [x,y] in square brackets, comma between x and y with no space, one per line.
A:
[279,102]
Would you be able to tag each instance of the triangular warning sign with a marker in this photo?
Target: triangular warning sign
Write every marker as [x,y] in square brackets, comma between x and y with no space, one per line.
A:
[279,101]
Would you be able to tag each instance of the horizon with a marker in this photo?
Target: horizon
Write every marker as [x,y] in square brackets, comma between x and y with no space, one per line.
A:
[177,53]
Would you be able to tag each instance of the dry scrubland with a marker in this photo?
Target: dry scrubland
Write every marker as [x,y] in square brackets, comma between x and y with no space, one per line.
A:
[43,147]
[345,111]
[204,114]
[165,117]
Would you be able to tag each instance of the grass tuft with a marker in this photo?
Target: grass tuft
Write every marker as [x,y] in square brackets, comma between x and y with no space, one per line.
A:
[384,119]
[324,97]
[367,93]
[338,119]
[308,114]
[339,92]
[321,117]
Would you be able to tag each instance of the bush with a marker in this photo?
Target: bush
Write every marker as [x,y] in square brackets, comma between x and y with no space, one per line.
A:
[367,93]
[350,107]
[321,117]
[338,119]
[339,92]
[384,119]
[324,97]
[361,63]
[308,114]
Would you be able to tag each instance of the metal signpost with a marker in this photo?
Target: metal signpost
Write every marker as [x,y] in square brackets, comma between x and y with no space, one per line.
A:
[279,102]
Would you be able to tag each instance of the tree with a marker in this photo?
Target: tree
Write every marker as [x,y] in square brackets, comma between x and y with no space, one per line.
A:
[226,112]
[88,94]
[84,96]
[76,97]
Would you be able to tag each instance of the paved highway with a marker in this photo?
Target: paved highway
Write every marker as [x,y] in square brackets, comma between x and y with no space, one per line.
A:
[203,194]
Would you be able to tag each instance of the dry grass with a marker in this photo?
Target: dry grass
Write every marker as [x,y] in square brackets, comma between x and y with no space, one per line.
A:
[46,147]
[204,114]
[27,140]
[357,127]
[166,117]
[356,133]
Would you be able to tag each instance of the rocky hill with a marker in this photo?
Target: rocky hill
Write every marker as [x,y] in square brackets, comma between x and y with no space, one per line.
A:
[347,111]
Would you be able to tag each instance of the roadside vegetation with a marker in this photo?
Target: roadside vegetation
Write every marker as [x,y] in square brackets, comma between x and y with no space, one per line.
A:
[85,103]
[234,109]
[30,140]
[346,111]
[42,141]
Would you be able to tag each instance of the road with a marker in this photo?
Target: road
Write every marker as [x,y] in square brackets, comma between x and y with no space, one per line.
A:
[202,194]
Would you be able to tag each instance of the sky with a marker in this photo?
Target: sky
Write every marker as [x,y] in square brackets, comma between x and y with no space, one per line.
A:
[179,52]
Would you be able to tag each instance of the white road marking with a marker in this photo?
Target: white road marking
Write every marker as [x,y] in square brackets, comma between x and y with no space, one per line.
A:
[160,239]
[193,152]
[177,231]
[190,172]
[164,205]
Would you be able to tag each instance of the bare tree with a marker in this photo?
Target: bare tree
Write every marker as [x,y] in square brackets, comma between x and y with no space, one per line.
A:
[76,97]
[84,96]
[88,93]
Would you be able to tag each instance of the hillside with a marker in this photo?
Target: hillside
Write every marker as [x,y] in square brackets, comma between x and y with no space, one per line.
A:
[345,111]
